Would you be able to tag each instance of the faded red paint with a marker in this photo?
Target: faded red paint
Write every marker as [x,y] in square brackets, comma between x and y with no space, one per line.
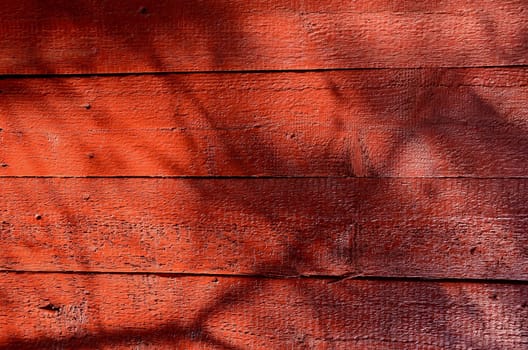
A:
[434,122]
[153,36]
[414,171]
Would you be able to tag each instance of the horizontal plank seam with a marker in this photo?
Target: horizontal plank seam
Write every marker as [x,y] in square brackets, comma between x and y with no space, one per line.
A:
[250,71]
[332,279]
[257,177]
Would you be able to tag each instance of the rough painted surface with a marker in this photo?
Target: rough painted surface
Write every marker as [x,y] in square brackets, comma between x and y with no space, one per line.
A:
[434,122]
[136,311]
[152,36]
[388,138]
[463,228]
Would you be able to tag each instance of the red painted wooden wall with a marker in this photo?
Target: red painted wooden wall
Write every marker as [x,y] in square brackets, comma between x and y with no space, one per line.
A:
[224,174]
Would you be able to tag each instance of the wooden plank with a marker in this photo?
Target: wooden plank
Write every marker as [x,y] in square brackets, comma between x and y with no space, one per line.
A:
[145,311]
[152,36]
[441,228]
[408,123]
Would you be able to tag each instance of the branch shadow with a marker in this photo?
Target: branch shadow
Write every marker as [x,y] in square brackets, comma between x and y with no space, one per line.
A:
[454,122]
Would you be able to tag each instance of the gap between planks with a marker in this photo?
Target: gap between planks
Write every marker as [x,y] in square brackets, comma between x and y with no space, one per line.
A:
[261,177]
[330,278]
[252,71]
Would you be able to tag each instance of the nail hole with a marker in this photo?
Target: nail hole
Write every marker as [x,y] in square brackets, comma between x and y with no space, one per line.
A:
[50,307]
[87,106]
[494,296]
[4,165]
[472,250]
[38,216]
[215,280]
[143,10]
[91,155]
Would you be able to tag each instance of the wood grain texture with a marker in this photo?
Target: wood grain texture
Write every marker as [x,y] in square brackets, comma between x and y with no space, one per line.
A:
[450,228]
[202,207]
[40,37]
[389,123]
[125,311]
